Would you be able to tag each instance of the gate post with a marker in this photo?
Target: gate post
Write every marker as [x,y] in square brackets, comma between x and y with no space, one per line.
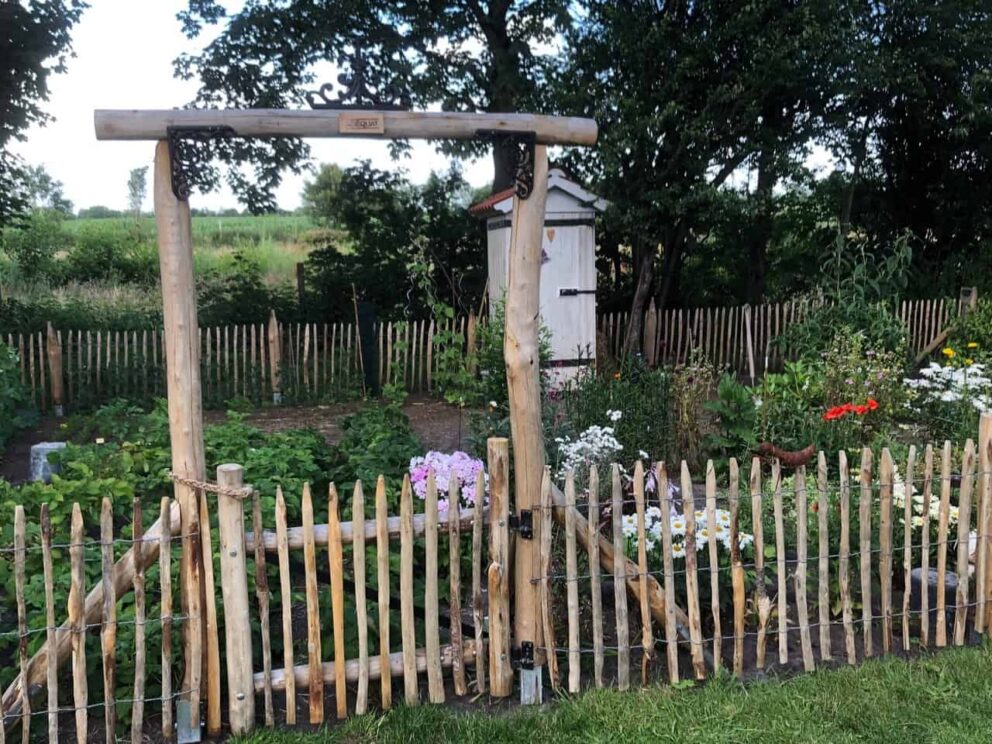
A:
[275,358]
[54,347]
[523,376]
[182,365]
[234,590]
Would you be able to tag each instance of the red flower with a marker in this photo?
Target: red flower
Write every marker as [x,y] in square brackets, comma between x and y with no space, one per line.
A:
[872,404]
[861,410]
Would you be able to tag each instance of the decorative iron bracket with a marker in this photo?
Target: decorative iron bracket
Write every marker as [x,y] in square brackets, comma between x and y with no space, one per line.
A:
[357,94]
[523,523]
[187,154]
[519,147]
[522,656]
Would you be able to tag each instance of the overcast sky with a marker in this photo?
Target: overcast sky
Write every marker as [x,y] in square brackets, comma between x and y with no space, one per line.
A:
[124,52]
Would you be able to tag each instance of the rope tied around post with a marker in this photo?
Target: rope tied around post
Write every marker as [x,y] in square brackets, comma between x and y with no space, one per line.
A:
[208,487]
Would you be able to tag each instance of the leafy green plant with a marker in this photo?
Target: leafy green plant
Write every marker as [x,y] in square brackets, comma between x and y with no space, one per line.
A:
[858,289]
[735,417]
[13,396]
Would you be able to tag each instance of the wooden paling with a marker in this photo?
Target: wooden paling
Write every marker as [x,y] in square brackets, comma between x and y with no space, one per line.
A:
[22,619]
[477,609]
[335,558]
[737,567]
[138,706]
[764,603]
[51,669]
[942,532]
[596,595]
[780,565]
[907,561]
[455,590]
[262,597]
[844,567]
[802,612]
[668,569]
[864,524]
[925,547]
[691,580]
[964,529]
[572,576]
[382,580]
[361,611]
[286,599]
[165,586]
[711,526]
[316,681]
[823,573]
[435,684]
[547,612]
[498,578]
[886,476]
[407,627]
[108,629]
[647,636]
[619,586]
[77,622]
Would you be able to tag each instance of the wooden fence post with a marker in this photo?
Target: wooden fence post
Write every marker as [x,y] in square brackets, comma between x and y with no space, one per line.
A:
[234,590]
[55,369]
[650,341]
[470,342]
[521,350]
[275,358]
[500,668]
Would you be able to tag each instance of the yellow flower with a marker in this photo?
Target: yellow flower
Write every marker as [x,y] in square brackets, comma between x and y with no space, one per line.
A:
[949,352]
[972,344]
[969,362]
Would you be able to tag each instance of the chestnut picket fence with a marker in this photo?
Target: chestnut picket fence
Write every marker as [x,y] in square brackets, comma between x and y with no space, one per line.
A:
[651,577]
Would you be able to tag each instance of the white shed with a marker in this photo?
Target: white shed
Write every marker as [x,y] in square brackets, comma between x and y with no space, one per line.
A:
[568,271]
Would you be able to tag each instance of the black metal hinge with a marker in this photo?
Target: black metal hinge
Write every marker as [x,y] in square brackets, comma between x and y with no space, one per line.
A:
[519,148]
[572,292]
[522,656]
[523,523]
[189,152]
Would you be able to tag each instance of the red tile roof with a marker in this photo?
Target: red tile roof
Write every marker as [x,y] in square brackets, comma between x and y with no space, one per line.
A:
[490,201]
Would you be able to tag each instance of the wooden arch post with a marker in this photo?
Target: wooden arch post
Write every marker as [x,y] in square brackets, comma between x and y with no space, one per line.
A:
[182,364]
[523,376]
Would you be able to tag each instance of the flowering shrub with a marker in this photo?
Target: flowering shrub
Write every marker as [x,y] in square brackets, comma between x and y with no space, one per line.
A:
[597,445]
[652,532]
[899,502]
[458,465]
[948,398]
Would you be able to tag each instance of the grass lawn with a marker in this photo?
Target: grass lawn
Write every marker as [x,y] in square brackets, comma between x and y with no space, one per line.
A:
[943,697]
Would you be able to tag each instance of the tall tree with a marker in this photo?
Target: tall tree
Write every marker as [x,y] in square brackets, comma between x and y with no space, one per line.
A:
[136,189]
[466,55]
[34,43]
[686,95]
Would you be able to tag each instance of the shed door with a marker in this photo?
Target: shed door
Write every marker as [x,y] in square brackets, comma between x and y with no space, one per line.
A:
[568,283]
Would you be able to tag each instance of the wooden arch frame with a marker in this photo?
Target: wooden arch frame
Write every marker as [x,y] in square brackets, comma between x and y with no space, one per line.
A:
[175,244]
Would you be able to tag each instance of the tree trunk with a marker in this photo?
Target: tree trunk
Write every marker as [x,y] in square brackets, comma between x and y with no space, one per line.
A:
[672,267]
[761,230]
[645,278]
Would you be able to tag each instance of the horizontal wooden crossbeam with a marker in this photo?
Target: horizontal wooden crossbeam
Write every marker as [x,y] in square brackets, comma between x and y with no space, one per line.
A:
[134,124]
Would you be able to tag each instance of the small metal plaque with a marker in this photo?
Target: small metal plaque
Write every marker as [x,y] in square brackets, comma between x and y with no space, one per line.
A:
[359,122]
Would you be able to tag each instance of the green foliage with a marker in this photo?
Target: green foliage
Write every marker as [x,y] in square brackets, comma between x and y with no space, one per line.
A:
[645,399]
[971,333]
[859,290]
[34,242]
[13,396]
[736,418]
[377,441]
[36,44]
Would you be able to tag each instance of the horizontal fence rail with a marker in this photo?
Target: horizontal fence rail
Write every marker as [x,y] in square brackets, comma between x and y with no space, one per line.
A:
[310,362]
